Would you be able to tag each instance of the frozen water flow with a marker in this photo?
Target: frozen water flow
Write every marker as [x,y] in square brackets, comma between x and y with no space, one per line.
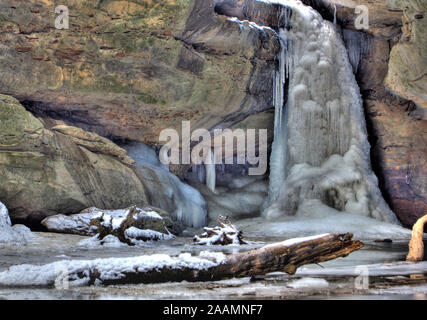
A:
[320,150]
[183,201]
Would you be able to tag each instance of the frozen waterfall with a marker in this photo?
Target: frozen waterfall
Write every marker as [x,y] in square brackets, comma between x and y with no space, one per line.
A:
[165,190]
[320,150]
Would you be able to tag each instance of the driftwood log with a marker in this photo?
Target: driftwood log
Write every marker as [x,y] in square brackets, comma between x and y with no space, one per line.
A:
[284,256]
[135,217]
[416,245]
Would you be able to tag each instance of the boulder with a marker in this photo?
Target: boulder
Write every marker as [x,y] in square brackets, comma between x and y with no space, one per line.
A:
[80,223]
[44,172]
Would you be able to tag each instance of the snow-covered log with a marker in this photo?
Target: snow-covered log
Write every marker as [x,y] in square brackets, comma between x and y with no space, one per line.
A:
[284,256]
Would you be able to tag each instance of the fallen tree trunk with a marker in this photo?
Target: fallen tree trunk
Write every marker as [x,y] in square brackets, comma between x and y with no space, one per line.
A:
[284,256]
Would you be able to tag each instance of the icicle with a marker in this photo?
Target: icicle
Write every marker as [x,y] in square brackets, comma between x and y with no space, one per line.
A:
[210,172]
[335,14]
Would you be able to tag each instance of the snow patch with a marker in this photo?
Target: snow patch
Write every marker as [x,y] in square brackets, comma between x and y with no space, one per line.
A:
[309,283]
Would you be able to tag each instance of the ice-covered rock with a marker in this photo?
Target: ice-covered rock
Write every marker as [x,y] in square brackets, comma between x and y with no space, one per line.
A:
[12,235]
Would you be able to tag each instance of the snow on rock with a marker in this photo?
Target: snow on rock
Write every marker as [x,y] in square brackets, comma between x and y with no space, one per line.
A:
[12,235]
[4,216]
[78,223]
[81,223]
[77,272]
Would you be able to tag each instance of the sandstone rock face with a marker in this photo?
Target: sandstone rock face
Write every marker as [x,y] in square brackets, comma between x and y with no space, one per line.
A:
[129,69]
[64,170]
[45,172]
[94,142]
[407,72]
[398,131]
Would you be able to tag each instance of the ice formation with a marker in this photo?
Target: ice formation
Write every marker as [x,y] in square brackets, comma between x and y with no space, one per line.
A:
[185,203]
[373,270]
[314,217]
[358,44]
[210,172]
[12,235]
[236,194]
[320,150]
